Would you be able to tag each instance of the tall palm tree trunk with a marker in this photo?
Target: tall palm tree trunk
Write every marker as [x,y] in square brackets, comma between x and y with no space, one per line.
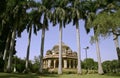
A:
[60,50]
[78,48]
[42,50]
[9,65]
[100,70]
[28,51]
[117,47]
[6,46]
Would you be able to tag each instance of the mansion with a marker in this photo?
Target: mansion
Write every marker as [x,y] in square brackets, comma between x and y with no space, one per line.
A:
[69,58]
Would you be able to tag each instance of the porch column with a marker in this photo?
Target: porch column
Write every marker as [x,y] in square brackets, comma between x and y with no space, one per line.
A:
[54,63]
[46,64]
[69,63]
[43,63]
[65,63]
[49,63]
[73,63]
[76,63]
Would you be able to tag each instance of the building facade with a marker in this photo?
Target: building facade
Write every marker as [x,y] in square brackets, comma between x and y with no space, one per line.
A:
[69,58]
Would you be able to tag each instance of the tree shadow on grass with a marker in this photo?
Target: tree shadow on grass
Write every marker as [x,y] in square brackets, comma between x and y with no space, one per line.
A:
[50,75]
[31,75]
[113,74]
[11,75]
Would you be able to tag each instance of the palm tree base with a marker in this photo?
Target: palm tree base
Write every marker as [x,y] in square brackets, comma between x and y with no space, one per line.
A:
[60,73]
[26,71]
[101,73]
[79,73]
[8,71]
[40,73]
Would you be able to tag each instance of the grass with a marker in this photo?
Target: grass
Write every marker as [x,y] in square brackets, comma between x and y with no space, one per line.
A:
[32,75]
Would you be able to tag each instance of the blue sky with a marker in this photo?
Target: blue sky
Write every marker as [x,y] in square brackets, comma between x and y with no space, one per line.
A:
[107,47]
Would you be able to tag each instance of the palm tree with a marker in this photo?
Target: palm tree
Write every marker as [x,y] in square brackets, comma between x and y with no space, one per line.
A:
[44,9]
[11,50]
[91,8]
[16,11]
[42,50]
[60,41]
[28,49]
[75,12]
[60,49]
[110,22]
[100,69]
[59,17]
[7,46]
[14,18]
[117,46]
[78,46]
[95,38]
[33,23]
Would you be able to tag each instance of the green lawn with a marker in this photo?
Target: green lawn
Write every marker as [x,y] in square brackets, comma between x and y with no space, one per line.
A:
[7,75]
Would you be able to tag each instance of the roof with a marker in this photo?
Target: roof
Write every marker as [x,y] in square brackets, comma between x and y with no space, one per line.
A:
[63,45]
[66,52]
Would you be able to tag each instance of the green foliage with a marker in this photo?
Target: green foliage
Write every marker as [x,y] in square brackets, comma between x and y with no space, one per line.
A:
[2,6]
[2,10]
[3,38]
[106,22]
[90,64]
[32,75]
[102,16]
[36,64]
[1,64]
[19,64]
[111,66]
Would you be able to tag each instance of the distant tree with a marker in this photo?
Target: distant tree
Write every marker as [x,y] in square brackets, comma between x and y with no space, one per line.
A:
[115,66]
[95,65]
[111,66]
[89,63]
[1,65]
[107,66]
[36,64]
[18,64]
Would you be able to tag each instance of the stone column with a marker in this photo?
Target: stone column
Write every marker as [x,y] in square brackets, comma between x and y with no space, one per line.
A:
[54,63]
[45,63]
[69,63]
[49,63]
[76,64]
[73,63]
[65,63]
